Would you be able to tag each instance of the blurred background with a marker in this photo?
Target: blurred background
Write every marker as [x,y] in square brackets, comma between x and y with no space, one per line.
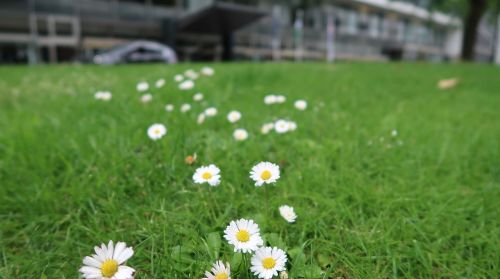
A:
[126,31]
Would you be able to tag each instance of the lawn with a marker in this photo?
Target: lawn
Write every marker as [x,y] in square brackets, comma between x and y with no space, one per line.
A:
[76,171]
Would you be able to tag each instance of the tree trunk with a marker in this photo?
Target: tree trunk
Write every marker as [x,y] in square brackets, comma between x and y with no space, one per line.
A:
[476,10]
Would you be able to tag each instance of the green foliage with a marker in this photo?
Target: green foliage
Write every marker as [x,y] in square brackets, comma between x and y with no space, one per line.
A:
[75,172]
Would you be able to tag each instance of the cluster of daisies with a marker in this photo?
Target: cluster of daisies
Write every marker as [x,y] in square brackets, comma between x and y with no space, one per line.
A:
[109,261]
[243,234]
[186,81]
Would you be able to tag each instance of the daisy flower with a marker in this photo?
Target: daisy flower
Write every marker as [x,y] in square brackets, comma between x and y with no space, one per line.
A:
[207,174]
[191,74]
[169,107]
[146,98]
[207,71]
[210,111]
[219,271]
[281,126]
[300,104]
[201,118]
[280,99]
[185,107]
[266,128]
[159,83]
[178,78]
[102,95]
[240,134]
[156,131]
[108,262]
[244,235]
[186,85]
[394,133]
[265,172]
[292,126]
[288,213]
[267,261]
[198,97]
[142,86]
[270,99]
[233,116]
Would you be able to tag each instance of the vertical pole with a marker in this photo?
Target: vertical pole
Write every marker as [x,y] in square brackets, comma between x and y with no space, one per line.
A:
[298,27]
[276,29]
[495,55]
[33,44]
[330,38]
[51,27]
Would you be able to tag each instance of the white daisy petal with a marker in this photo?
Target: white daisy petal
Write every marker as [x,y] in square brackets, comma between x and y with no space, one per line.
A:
[91,262]
[125,255]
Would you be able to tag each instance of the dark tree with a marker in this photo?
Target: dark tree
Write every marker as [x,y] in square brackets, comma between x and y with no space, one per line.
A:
[476,10]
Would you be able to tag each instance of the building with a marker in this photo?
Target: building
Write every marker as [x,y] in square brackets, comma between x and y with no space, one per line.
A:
[40,31]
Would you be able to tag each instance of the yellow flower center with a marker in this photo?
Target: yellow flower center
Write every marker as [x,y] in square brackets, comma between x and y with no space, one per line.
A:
[243,236]
[157,131]
[206,175]
[265,175]
[109,268]
[221,276]
[268,263]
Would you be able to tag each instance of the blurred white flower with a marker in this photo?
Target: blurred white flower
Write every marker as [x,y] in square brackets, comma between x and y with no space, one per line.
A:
[210,111]
[207,71]
[191,74]
[233,116]
[169,107]
[240,134]
[288,213]
[186,85]
[156,131]
[201,118]
[198,97]
[280,99]
[270,99]
[159,83]
[281,126]
[178,78]
[292,126]
[146,98]
[300,104]
[142,86]
[394,133]
[103,95]
[185,107]
[266,128]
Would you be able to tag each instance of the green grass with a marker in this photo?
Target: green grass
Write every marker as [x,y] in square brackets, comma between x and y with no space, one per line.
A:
[75,172]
